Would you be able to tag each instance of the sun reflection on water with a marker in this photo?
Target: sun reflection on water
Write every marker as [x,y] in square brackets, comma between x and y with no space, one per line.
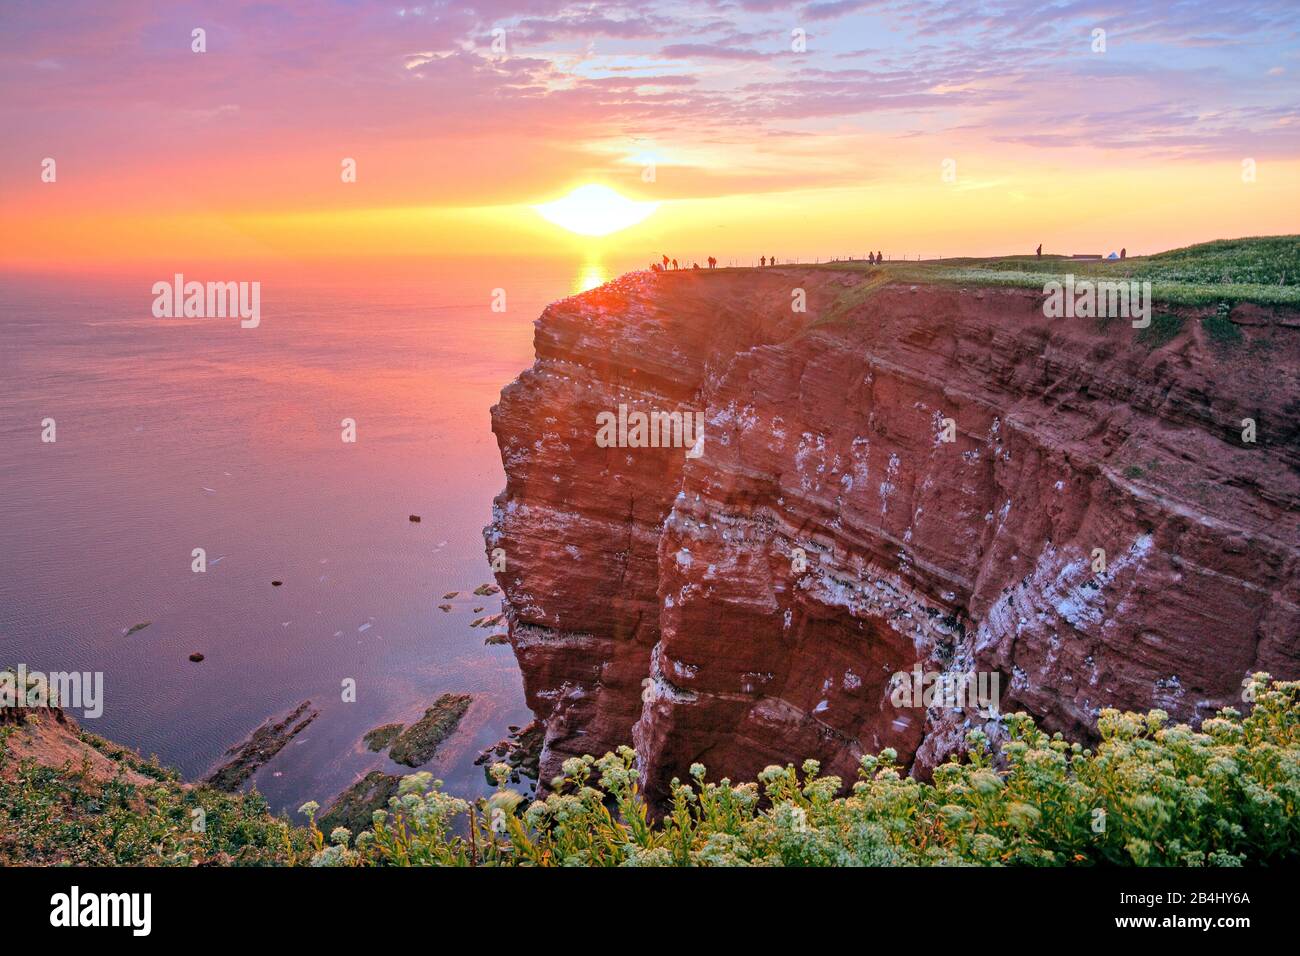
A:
[589,276]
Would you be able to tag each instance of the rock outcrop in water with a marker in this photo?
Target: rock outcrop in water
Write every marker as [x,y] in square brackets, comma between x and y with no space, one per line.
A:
[417,745]
[256,750]
[749,606]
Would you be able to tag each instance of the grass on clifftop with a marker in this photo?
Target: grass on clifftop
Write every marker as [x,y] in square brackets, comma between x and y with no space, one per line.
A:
[1152,794]
[1265,271]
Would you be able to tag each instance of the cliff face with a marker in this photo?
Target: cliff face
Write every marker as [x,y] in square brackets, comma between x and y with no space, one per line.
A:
[749,605]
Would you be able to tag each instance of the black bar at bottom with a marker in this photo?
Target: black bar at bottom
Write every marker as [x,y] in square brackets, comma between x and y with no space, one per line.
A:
[303,906]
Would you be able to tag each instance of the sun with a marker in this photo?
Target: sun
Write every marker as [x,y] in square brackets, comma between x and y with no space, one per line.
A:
[595,210]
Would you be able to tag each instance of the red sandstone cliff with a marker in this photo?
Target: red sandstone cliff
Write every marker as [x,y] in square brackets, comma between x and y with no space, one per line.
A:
[653,598]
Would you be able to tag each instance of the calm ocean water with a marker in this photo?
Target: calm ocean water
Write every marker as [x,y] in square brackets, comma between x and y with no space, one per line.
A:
[175,434]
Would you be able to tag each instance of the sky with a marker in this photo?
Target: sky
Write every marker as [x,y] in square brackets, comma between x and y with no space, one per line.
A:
[799,129]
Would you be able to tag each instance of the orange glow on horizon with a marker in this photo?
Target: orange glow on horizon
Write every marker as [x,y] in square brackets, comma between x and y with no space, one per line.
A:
[1092,210]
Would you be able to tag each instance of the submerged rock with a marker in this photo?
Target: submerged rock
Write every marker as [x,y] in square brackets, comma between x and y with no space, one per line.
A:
[196,657]
[247,757]
[420,741]
[136,627]
[521,751]
[355,806]
[382,737]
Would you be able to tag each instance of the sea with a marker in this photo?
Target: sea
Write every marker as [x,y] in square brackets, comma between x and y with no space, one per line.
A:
[176,434]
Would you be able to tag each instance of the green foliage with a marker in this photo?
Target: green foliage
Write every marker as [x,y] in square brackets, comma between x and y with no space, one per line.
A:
[1270,260]
[1263,270]
[129,758]
[66,815]
[1220,329]
[1163,329]
[1152,794]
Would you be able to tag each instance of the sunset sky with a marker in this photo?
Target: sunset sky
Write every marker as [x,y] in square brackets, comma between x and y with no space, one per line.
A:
[235,153]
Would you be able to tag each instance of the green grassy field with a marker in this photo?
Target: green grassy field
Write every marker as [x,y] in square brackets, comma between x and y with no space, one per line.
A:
[1264,270]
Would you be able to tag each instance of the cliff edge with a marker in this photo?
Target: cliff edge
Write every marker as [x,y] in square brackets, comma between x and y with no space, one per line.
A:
[916,472]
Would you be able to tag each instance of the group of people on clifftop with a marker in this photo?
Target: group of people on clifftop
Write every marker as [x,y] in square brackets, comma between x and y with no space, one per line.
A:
[670,265]
[874,258]
[667,264]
